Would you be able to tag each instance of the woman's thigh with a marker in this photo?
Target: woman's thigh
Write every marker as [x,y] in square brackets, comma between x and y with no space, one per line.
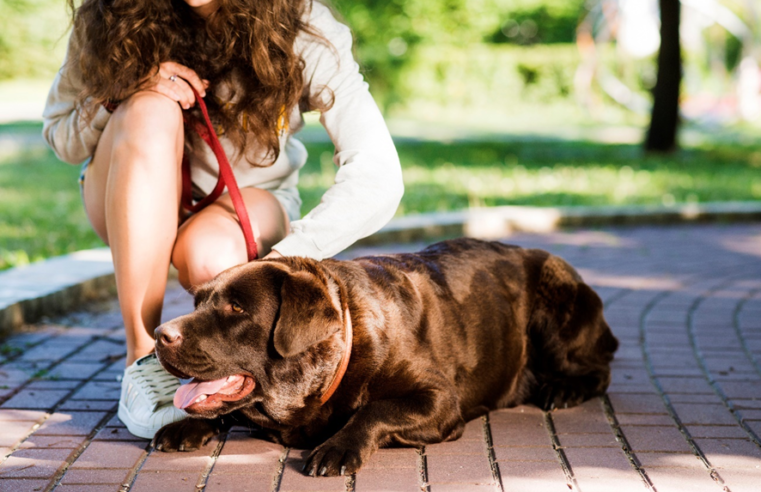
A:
[143,126]
[212,241]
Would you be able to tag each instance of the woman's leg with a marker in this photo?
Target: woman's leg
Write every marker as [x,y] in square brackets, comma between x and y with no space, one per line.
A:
[132,194]
[212,241]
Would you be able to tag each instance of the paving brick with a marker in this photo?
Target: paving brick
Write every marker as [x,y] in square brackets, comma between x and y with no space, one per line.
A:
[22,485]
[384,479]
[165,481]
[741,390]
[94,476]
[510,435]
[393,458]
[99,390]
[180,461]
[717,431]
[681,479]
[100,351]
[545,453]
[627,403]
[670,460]
[688,398]
[75,370]
[688,385]
[53,384]
[731,453]
[244,454]
[580,422]
[115,422]
[239,483]
[29,415]
[458,447]
[71,423]
[704,414]
[595,458]
[294,480]
[474,431]
[742,479]
[747,403]
[52,350]
[88,488]
[750,414]
[107,405]
[608,483]
[533,475]
[35,399]
[116,434]
[106,454]
[64,442]
[654,438]
[459,469]
[625,419]
[34,463]
[458,487]
[13,432]
[607,440]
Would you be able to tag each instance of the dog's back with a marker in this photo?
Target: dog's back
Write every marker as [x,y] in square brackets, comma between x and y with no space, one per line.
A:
[505,325]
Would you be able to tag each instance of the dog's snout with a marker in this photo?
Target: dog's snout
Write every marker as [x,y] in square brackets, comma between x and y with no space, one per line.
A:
[168,335]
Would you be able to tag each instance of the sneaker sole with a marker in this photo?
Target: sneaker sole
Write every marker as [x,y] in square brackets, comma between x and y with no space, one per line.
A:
[133,427]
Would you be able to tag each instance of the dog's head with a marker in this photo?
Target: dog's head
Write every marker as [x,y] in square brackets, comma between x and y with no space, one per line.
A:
[256,333]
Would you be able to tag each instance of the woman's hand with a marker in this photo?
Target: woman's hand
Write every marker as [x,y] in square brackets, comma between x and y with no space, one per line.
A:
[174,81]
[272,255]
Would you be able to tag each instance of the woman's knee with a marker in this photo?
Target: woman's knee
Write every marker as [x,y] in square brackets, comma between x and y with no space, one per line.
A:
[201,257]
[148,119]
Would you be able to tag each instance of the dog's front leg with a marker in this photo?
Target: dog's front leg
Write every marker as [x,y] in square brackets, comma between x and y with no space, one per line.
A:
[428,416]
[189,434]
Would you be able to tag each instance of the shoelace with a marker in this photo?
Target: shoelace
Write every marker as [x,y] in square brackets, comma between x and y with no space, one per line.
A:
[160,385]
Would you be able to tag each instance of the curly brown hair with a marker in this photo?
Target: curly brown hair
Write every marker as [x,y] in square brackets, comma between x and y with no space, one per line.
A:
[247,43]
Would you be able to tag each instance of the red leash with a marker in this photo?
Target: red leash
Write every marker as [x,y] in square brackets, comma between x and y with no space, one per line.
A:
[226,179]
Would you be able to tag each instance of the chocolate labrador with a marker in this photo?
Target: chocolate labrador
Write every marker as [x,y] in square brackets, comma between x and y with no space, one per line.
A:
[432,340]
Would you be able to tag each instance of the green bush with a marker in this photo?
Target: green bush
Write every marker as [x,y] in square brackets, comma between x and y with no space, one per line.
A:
[494,76]
[539,21]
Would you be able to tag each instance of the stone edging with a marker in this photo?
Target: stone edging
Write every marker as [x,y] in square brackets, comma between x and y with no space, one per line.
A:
[59,284]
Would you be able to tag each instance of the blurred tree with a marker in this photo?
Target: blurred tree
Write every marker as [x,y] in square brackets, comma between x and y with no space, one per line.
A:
[664,122]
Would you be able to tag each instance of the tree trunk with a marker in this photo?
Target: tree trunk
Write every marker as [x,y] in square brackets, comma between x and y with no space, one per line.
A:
[661,137]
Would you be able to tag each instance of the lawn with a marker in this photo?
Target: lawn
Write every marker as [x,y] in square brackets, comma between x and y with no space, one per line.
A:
[42,215]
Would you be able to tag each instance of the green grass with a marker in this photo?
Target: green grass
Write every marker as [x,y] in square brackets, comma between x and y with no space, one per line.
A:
[42,214]
[441,177]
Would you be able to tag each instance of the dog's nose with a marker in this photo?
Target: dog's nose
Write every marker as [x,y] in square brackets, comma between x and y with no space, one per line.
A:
[168,335]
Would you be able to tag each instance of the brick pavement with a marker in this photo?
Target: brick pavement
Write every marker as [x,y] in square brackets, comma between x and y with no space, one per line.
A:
[683,411]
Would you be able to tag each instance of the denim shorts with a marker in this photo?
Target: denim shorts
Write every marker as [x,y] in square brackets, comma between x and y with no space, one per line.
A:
[82,171]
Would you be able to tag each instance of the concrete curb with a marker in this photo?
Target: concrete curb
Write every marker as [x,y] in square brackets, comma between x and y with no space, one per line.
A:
[60,284]
[499,222]
[54,286]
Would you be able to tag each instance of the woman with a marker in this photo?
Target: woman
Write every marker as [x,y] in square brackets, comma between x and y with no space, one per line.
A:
[119,103]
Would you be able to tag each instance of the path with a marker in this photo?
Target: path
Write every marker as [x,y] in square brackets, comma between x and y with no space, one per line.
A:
[683,411]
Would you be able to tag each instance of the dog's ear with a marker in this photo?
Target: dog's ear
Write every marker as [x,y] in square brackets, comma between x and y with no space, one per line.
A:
[307,314]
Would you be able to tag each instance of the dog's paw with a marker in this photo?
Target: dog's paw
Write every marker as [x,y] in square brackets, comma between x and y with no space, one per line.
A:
[333,458]
[567,393]
[185,435]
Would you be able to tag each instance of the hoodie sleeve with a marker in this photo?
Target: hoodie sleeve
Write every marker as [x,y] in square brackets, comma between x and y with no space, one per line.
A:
[368,185]
[66,126]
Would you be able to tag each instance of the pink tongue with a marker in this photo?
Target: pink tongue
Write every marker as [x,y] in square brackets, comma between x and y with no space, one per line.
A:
[187,393]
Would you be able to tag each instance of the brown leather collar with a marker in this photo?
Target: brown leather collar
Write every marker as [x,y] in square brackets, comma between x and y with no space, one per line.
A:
[344,361]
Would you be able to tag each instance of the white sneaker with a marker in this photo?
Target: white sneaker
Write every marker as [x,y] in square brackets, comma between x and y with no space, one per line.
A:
[146,404]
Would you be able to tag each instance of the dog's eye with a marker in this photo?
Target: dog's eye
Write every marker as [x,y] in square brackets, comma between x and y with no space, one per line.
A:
[236,307]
